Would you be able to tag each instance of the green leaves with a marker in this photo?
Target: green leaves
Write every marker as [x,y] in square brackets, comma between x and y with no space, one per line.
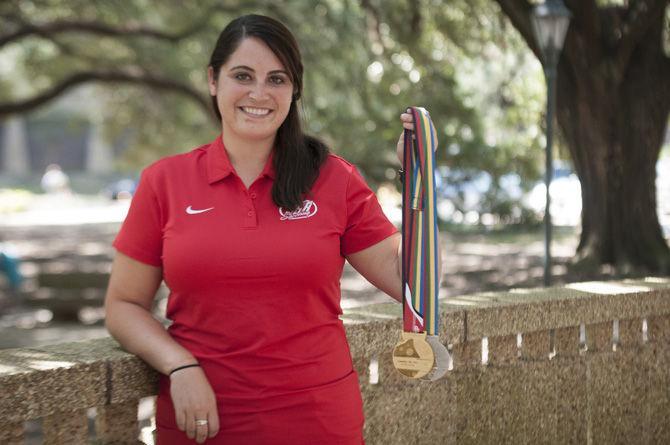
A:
[365,62]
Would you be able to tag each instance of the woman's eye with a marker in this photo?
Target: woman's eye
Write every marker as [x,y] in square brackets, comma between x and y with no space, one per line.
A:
[277,80]
[242,76]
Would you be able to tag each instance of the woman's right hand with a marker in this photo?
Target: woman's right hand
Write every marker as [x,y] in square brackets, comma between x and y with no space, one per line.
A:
[193,399]
[407,121]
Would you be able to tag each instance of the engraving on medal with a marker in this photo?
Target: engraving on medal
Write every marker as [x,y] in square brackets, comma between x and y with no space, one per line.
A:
[413,356]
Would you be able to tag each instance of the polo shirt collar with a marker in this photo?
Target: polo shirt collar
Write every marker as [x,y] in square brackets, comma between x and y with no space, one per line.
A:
[219,166]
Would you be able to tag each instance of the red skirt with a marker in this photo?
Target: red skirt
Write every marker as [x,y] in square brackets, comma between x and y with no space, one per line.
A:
[331,414]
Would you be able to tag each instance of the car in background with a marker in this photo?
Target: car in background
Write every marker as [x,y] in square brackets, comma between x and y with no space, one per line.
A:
[123,188]
[465,196]
[566,197]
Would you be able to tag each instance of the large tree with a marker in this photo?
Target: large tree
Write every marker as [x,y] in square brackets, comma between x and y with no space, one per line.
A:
[365,61]
[613,100]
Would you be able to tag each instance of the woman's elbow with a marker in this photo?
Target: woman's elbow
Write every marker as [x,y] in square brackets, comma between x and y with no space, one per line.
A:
[110,315]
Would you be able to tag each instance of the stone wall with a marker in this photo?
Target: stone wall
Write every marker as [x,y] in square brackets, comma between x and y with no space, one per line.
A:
[586,363]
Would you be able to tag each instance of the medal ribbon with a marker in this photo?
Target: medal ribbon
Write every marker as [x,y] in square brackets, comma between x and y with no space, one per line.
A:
[420,274]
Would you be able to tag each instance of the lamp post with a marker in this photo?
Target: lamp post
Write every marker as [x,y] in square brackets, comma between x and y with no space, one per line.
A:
[550,24]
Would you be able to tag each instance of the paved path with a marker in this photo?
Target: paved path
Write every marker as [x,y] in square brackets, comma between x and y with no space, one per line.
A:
[472,263]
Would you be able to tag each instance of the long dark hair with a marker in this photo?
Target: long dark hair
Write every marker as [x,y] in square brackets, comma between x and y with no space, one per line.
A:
[297,156]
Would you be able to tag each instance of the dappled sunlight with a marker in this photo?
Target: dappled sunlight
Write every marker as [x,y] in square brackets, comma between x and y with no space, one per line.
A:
[460,301]
[470,300]
[92,248]
[8,369]
[27,353]
[486,249]
[483,297]
[599,287]
[68,210]
[524,291]
[43,365]
[24,359]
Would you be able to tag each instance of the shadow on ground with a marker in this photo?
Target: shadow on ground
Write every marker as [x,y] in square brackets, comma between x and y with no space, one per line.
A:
[473,263]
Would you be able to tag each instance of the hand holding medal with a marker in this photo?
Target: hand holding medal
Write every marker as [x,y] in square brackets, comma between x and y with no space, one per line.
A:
[419,353]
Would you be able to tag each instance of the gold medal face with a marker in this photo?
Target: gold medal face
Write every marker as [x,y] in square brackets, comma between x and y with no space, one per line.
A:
[413,356]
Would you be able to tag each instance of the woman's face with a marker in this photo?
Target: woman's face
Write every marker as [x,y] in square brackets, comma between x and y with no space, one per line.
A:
[253,91]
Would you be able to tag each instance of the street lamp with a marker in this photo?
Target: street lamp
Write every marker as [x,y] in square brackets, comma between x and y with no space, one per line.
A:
[550,24]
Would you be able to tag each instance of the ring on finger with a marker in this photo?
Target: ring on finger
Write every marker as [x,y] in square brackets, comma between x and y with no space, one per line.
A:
[201,422]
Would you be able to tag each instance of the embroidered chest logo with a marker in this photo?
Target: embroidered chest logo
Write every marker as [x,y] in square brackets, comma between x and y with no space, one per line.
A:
[191,211]
[307,210]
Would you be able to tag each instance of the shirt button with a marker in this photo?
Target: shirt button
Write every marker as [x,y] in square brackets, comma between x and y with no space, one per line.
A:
[253,196]
[250,213]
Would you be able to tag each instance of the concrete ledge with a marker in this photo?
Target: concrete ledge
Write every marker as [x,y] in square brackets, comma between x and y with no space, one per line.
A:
[473,317]
[520,396]
[38,382]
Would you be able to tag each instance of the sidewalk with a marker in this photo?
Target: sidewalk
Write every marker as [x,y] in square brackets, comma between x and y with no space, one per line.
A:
[78,229]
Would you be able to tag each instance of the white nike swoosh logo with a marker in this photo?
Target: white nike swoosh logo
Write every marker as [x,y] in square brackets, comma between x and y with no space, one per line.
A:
[191,211]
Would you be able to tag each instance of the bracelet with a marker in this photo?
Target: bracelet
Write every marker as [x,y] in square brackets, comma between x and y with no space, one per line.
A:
[183,367]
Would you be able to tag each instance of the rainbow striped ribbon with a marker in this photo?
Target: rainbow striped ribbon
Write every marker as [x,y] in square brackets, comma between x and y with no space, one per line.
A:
[420,269]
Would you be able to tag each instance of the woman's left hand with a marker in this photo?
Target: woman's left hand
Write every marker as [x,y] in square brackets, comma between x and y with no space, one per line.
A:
[407,122]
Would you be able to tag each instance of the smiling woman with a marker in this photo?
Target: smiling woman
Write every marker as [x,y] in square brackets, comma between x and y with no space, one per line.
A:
[255,80]
[253,95]
[250,233]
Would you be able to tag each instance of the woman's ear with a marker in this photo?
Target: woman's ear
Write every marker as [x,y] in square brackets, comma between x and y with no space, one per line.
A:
[211,81]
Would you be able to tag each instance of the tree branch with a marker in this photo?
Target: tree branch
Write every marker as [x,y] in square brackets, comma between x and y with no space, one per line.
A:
[585,15]
[128,76]
[518,11]
[99,28]
[373,18]
[60,26]
[638,20]
[416,19]
[586,26]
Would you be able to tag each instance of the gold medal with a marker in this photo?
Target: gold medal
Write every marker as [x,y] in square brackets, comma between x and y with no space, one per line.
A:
[413,356]
[420,356]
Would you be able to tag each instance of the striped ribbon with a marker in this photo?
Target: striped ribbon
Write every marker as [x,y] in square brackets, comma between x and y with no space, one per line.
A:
[420,274]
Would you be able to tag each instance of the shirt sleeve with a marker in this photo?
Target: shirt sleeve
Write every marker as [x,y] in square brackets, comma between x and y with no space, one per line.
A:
[366,222]
[141,235]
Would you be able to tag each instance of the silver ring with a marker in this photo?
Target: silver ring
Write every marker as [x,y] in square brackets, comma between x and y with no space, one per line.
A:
[201,422]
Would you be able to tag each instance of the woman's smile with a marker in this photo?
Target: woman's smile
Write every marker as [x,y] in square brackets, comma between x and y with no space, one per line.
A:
[256,112]
[253,92]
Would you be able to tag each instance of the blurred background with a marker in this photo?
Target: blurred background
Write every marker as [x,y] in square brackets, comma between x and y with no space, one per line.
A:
[93,91]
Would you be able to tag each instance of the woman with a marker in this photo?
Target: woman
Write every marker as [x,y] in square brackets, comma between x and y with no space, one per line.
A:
[250,233]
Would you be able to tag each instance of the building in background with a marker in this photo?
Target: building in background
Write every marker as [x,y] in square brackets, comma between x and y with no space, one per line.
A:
[67,133]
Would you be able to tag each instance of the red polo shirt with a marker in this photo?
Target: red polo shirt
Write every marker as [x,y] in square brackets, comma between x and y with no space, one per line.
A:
[255,292]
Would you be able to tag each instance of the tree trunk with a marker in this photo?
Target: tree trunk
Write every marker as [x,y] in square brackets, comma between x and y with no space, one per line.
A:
[613,117]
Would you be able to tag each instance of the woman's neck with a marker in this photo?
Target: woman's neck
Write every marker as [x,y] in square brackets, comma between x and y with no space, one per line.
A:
[246,154]
[245,151]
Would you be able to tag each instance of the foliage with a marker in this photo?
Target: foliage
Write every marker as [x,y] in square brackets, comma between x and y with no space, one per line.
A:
[365,62]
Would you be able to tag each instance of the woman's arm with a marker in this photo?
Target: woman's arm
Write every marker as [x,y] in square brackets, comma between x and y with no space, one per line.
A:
[381,264]
[131,290]
[128,318]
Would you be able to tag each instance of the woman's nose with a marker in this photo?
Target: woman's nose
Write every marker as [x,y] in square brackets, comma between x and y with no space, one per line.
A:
[258,91]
